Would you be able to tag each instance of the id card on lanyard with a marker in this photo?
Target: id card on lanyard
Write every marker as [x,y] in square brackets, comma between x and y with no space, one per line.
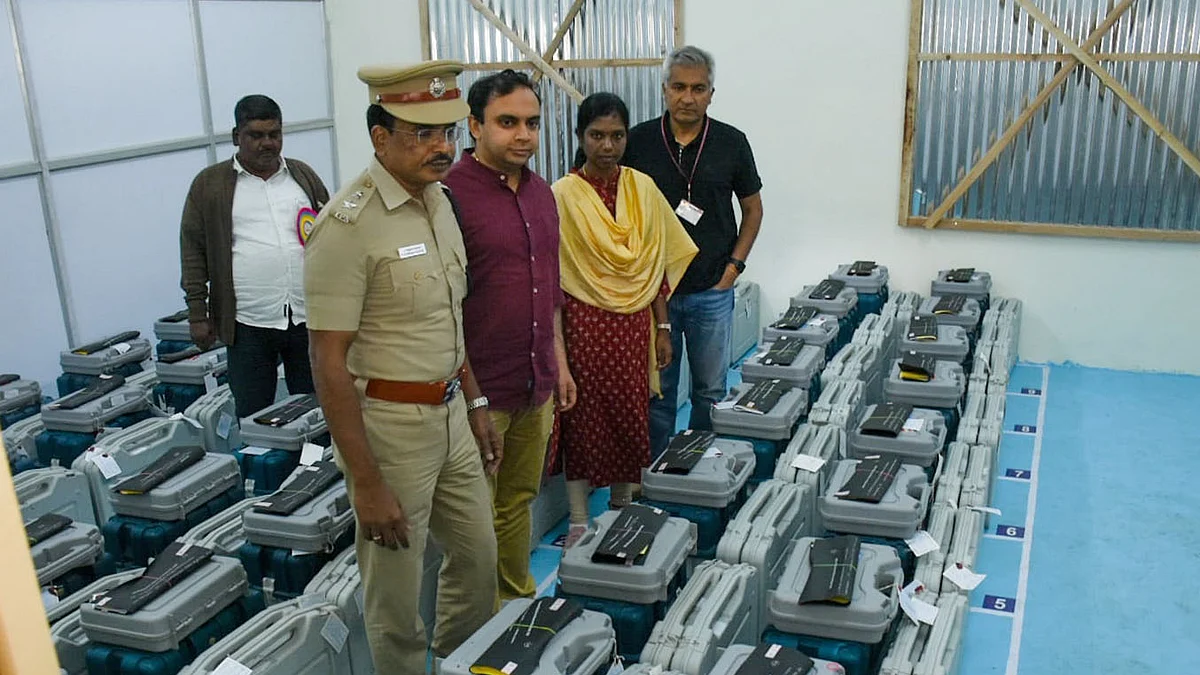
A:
[686,210]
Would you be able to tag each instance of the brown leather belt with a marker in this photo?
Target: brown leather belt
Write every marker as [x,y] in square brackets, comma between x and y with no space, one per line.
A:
[427,393]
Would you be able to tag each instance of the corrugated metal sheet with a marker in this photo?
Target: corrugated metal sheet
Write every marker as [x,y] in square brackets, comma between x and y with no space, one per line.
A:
[603,29]
[1085,158]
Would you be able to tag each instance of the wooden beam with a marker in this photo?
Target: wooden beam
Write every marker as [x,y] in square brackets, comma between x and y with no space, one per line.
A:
[561,33]
[1111,82]
[566,63]
[1059,229]
[1060,58]
[910,107]
[423,20]
[993,153]
[528,51]
[679,24]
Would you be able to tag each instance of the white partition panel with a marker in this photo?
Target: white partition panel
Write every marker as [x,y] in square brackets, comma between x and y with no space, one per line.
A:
[314,148]
[14,131]
[120,230]
[32,331]
[276,48]
[109,74]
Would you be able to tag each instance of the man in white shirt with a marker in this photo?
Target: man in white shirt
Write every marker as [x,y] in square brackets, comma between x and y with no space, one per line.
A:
[242,238]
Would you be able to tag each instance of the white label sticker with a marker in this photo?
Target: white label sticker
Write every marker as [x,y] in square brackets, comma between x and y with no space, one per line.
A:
[962,576]
[231,667]
[914,424]
[689,211]
[11,394]
[724,405]
[557,605]
[311,454]
[107,465]
[406,252]
[916,609]
[210,383]
[772,651]
[921,543]
[254,450]
[711,453]
[335,633]
[509,668]
[122,348]
[808,463]
[224,424]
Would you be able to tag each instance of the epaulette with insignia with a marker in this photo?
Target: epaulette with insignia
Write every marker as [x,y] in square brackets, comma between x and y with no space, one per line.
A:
[346,206]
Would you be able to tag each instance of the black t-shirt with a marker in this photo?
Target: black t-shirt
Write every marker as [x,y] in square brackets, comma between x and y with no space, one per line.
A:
[726,168]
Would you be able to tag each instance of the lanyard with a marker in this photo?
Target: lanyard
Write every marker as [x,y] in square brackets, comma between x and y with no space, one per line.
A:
[688,176]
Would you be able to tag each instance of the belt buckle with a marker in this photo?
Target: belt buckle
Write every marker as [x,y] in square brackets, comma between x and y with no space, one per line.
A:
[452,387]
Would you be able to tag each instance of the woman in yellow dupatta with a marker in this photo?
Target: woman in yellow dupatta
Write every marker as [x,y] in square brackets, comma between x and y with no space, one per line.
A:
[622,251]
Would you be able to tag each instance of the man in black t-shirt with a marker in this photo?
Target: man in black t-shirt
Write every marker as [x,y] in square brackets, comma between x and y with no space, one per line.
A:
[700,164]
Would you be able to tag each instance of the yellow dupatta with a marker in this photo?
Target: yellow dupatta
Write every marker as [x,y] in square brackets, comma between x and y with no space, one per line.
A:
[618,264]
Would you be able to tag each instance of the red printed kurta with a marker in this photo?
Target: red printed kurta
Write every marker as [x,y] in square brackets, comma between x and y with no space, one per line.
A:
[605,438]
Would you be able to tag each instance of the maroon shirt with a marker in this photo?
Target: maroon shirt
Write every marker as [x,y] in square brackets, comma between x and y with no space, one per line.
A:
[512,261]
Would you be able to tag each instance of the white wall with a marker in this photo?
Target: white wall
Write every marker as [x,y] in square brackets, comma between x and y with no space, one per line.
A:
[819,89]
[115,222]
[363,32]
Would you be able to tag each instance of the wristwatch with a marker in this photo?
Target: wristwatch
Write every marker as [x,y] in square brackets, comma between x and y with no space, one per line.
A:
[665,326]
[476,403]
[739,265]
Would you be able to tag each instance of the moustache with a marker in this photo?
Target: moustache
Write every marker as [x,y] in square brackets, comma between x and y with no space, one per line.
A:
[440,158]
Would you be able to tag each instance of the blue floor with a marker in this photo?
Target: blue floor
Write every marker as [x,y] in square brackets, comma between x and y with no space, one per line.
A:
[1100,505]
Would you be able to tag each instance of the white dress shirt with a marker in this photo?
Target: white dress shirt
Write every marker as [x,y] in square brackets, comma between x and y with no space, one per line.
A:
[268,258]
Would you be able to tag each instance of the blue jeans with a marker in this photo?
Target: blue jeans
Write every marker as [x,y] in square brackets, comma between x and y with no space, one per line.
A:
[704,320]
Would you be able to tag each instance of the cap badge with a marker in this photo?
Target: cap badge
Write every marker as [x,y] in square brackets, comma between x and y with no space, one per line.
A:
[437,88]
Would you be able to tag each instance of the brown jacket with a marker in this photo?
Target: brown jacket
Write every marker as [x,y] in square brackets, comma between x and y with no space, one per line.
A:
[206,241]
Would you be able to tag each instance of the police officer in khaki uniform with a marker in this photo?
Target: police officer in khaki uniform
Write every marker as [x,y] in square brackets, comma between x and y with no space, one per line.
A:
[384,277]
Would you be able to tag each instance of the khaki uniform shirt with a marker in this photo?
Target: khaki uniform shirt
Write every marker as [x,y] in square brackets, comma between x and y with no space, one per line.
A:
[381,264]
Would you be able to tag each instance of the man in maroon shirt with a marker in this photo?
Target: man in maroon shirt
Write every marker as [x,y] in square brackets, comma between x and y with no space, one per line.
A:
[511,317]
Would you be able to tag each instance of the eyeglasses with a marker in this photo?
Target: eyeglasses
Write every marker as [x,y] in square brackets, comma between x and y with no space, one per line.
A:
[429,135]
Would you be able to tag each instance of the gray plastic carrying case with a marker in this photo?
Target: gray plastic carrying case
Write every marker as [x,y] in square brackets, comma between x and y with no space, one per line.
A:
[582,647]
[186,491]
[302,636]
[161,624]
[871,610]
[314,526]
[107,359]
[95,414]
[290,436]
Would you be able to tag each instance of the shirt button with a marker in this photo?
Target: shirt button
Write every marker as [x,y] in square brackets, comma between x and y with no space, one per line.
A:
[535,324]
[527,226]
[535,291]
[533,258]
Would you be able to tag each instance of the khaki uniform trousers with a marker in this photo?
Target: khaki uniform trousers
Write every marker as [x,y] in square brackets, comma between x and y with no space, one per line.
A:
[429,458]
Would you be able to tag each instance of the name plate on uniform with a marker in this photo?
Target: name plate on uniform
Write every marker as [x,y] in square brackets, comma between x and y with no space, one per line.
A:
[411,251]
